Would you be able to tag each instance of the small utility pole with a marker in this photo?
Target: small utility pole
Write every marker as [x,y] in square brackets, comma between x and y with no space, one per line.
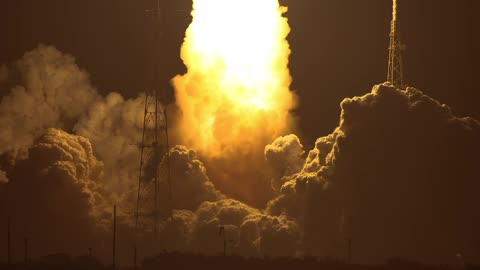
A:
[220,232]
[9,244]
[114,235]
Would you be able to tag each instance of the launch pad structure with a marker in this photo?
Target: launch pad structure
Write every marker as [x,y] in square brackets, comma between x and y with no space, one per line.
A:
[154,146]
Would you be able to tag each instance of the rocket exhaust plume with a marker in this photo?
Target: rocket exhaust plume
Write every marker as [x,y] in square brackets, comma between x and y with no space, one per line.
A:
[236,94]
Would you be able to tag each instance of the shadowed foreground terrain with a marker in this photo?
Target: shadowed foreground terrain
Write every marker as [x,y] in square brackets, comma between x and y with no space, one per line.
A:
[191,261]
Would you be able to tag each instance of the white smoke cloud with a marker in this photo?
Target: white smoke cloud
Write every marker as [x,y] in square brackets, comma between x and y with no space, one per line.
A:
[284,155]
[400,171]
[114,126]
[272,236]
[397,177]
[47,89]
[190,183]
[52,92]
[56,196]
[249,231]
[62,173]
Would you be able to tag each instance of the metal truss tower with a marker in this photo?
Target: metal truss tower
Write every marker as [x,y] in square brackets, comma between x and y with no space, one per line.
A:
[396,48]
[154,145]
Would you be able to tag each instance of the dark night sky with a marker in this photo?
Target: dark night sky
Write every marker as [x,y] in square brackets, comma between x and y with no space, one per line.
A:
[339,47]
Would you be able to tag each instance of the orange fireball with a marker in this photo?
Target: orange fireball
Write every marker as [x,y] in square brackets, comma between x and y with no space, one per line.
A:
[236,94]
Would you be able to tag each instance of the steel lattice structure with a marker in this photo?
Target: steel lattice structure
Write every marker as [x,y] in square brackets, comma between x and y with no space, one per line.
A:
[396,48]
[154,145]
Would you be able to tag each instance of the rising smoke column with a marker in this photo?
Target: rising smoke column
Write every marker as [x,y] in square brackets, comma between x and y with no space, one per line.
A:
[399,176]
[60,187]
[47,89]
[238,81]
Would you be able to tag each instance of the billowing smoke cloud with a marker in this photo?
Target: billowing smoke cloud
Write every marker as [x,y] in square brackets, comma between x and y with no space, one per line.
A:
[70,182]
[51,91]
[399,176]
[284,156]
[204,210]
[190,183]
[271,236]
[55,197]
[114,125]
[46,89]
[248,231]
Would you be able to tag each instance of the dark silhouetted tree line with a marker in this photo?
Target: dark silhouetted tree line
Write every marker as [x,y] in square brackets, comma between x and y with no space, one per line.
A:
[194,261]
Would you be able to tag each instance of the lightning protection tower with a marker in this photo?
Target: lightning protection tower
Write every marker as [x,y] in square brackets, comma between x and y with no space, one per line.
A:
[396,48]
[154,145]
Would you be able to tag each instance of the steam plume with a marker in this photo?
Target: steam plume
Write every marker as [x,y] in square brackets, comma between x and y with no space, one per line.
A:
[398,176]
[56,195]
[51,92]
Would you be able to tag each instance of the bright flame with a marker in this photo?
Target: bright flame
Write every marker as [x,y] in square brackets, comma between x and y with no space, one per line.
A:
[236,94]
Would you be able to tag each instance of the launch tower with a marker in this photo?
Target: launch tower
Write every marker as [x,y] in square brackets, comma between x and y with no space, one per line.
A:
[396,48]
[154,145]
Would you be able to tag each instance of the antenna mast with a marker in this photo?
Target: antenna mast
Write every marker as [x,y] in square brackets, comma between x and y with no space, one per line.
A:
[155,144]
[395,61]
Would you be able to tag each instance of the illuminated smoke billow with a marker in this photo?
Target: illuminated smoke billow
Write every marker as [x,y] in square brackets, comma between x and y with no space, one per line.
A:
[399,175]
[285,157]
[113,125]
[235,97]
[71,181]
[56,174]
[50,91]
[56,196]
[191,186]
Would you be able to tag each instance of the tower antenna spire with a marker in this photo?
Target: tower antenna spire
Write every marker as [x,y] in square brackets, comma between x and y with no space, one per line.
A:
[396,48]
[155,142]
